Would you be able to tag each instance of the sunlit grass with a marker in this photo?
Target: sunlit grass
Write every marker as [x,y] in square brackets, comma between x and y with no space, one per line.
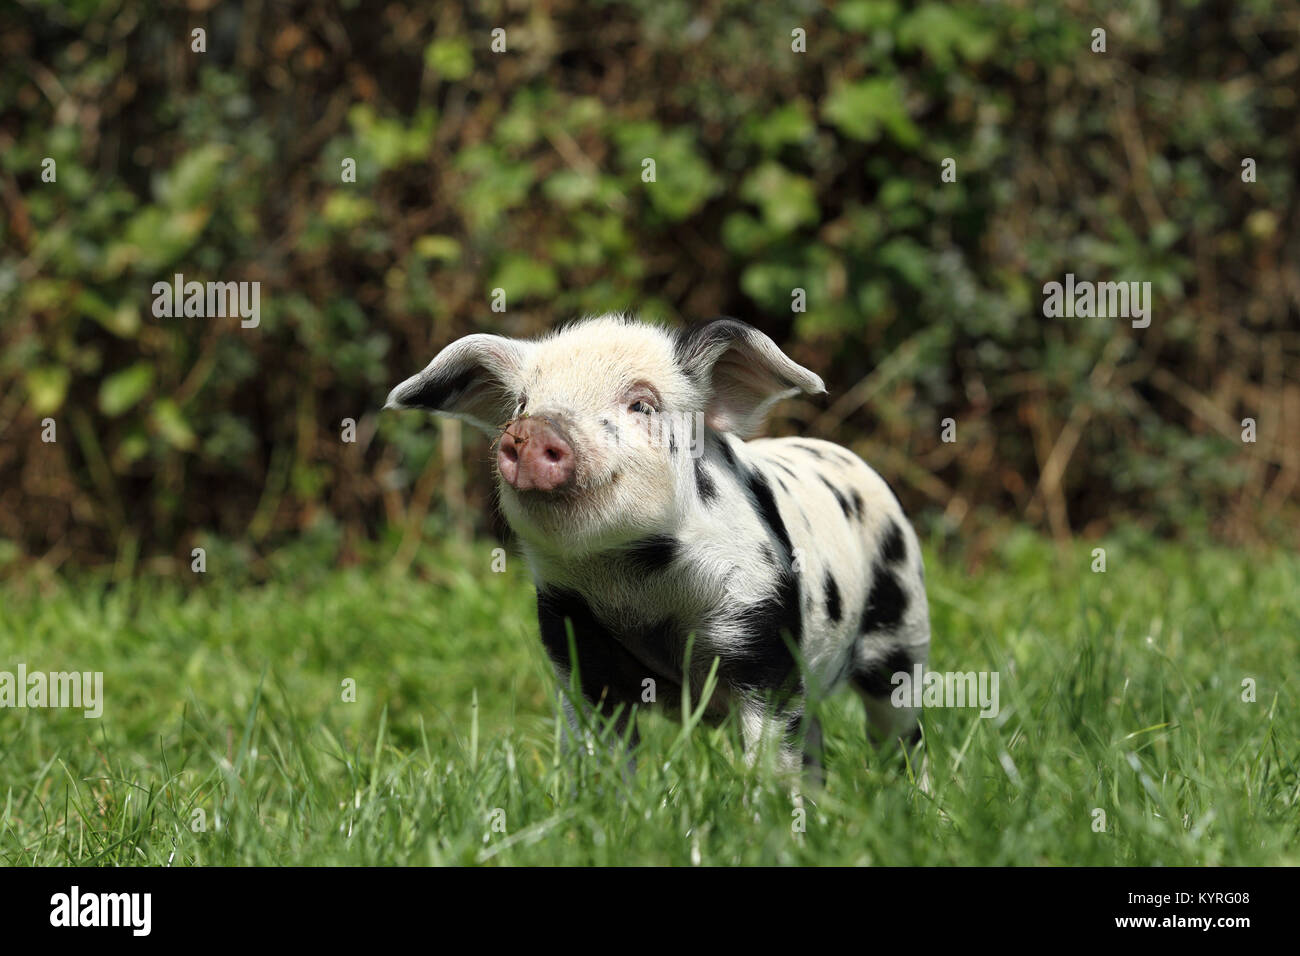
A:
[226,738]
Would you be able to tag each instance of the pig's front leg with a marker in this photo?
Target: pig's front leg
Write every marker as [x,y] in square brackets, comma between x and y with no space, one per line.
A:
[580,734]
[609,679]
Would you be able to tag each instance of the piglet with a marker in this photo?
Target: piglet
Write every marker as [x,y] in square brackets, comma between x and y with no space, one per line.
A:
[647,520]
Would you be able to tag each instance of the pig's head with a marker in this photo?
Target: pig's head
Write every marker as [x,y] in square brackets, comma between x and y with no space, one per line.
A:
[597,424]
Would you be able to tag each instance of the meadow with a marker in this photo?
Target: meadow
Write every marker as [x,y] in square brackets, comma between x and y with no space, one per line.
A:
[1147,716]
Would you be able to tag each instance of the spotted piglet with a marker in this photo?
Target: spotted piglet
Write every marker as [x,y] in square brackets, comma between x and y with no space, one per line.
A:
[646,518]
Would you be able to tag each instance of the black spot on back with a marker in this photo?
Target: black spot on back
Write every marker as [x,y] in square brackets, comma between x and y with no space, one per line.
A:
[652,554]
[815,452]
[833,607]
[846,456]
[768,511]
[876,680]
[840,500]
[893,548]
[786,468]
[859,507]
[704,483]
[886,602]
[766,661]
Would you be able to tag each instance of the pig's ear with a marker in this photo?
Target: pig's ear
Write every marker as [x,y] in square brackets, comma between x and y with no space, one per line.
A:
[474,378]
[744,371]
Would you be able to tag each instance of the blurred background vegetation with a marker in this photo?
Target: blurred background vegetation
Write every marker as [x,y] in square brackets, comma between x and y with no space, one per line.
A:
[522,170]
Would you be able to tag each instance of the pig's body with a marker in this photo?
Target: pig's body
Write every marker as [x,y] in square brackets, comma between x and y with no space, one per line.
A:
[788,560]
[791,546]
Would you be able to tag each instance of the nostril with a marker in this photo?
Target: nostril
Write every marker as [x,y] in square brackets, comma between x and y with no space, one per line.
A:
[553,454]
[510,451]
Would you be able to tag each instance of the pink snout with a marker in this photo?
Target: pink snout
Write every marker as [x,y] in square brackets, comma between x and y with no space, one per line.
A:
[533,455]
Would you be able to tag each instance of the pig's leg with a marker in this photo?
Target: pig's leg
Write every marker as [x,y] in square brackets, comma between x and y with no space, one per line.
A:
[809,732]
[887,721]
[766,730]
[888,724]
[579,734]
[609,677]
[890,656]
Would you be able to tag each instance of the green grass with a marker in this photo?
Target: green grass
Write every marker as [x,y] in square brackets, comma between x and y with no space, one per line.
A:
[1119,691]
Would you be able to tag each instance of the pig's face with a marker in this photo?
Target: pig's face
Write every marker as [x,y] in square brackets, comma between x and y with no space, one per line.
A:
[583,462]
[597,424]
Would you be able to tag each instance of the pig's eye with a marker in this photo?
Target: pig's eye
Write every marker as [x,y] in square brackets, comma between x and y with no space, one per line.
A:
[642,406]
[523,404]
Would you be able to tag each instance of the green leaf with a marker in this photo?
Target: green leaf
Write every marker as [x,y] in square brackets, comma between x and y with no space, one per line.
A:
[387,142]
[48,387]
[570,188]
[788,201]
[444,248]
[946,33]
[865,15]
[156,237]
[345,210]
[450,58]
[861,109]
[769,283]
[743,234]
[524,277]
[193,180]
[786,125]
[683,180]
[122,390]
[497,185]
[171,424]
[909,259]
[123,321]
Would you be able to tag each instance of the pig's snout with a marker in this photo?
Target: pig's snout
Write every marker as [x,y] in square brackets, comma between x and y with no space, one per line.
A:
[534,455]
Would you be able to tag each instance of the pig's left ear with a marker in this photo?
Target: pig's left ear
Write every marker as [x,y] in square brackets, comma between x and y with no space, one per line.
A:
[474,379]
[744,371]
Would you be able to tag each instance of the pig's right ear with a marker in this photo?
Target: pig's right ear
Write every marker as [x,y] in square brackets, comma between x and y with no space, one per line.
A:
[474,379]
